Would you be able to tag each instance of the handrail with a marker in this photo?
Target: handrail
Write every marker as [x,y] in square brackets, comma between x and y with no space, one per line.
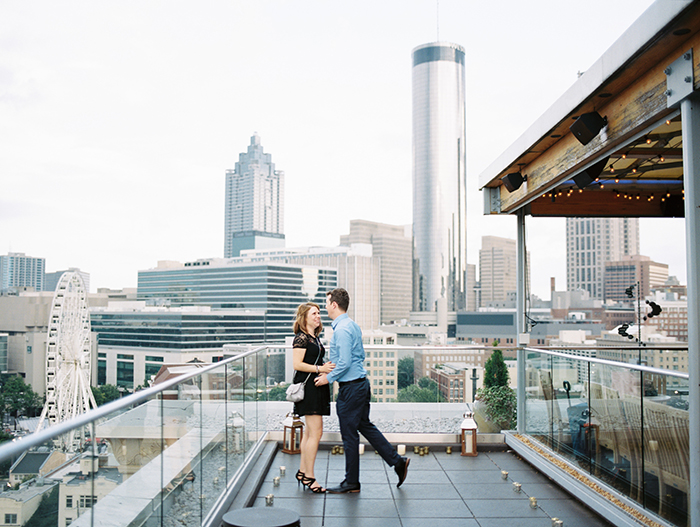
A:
[616,364]
[16,447]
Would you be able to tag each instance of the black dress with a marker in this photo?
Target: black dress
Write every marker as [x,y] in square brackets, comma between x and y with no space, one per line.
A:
[317,399]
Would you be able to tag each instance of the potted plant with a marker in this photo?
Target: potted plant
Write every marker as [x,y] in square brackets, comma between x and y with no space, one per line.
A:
[496,402]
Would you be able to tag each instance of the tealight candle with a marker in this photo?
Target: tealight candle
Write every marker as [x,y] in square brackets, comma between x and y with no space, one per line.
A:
[283,470]
[533,502]
[516,486]
[276,481]
[401,449]
[362,448]
[269,500]
[504,474]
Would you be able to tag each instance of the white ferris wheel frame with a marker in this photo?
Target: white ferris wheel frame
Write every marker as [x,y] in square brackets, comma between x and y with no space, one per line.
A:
[68,356]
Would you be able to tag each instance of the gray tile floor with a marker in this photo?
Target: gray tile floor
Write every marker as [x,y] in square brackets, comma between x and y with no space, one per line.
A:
[441,490]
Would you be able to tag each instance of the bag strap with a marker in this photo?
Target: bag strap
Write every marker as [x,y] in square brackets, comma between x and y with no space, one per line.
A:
[318,343]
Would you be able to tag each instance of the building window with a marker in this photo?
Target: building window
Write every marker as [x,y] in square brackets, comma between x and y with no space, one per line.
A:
[10,518]
[69,502]
[87,501]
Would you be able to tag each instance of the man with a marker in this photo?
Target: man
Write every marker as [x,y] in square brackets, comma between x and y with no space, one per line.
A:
[348,355]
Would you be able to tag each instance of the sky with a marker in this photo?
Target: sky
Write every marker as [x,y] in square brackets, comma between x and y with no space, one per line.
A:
[118,120]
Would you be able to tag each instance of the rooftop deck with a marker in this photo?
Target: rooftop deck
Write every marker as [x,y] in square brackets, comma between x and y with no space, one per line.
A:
[447,490]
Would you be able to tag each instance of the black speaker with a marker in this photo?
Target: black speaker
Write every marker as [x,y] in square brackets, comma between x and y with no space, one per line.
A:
[587,177]
[512,181]
[587,126]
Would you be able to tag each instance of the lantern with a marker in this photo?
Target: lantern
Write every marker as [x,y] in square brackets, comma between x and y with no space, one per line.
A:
[469,428]
[293,432]
[236,425]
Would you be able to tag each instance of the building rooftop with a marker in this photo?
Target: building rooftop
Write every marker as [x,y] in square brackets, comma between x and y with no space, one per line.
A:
[443,489]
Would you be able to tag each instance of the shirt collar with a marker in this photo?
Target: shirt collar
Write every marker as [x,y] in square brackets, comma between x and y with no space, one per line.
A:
[337,319]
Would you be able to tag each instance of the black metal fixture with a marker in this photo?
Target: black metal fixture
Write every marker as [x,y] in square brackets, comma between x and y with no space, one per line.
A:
[588,176]
[513,181]
[587,126]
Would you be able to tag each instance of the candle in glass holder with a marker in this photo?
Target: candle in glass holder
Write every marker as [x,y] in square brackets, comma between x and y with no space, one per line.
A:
[269,500]
[276,481]
[283,470]
[504,474]
[448,450]
[516,486]
[533,502]
[401,449]
[362,448]
[554,522]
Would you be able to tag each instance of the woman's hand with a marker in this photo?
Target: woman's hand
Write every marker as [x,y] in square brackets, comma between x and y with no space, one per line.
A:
[326,368]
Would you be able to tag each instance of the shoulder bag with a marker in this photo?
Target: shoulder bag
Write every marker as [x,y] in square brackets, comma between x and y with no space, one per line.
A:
[295,391]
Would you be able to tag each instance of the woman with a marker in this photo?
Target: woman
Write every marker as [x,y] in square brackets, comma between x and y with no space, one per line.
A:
[308,355]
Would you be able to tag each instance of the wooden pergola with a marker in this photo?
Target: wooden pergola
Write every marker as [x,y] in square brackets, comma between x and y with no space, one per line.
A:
[633,151]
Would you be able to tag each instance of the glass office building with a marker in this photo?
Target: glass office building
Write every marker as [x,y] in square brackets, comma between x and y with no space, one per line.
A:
[276,289]
[439,177]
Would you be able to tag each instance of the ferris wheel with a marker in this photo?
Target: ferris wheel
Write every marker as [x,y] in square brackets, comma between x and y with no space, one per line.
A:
[68,392]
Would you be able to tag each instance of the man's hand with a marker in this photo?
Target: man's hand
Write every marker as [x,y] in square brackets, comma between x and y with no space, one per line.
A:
[321,380]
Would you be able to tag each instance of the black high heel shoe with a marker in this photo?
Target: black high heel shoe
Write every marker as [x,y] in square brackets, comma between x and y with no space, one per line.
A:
[307,482]
[300,477]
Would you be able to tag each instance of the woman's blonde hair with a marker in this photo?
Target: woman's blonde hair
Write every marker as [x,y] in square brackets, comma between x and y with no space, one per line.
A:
[300,321]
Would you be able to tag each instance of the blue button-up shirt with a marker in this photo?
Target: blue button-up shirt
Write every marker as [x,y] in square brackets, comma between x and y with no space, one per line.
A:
[346,350]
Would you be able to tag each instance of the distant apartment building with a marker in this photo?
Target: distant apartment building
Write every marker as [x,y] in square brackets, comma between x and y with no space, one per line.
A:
[457,381]
[590,243]
[51,279]
[497,269]
[630,271]
[254,208]
[83,488]
[17,270]
[277,289]
[392,245]
[426,358]
[359,271]
[673,319]
[381,365]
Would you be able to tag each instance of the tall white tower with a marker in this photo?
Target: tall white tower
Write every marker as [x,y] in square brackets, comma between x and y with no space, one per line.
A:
[439,177]
[254,203]
[590,242]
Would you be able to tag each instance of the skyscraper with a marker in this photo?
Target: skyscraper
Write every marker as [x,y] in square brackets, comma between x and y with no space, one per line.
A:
[590,243]
[254,202]
[20,270]
[439,177]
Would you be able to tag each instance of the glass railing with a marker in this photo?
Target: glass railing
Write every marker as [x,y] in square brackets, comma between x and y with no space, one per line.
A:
[625,424]
[173,453]
[164,455]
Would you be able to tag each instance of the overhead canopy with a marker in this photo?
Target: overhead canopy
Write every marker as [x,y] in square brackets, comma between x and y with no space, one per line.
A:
[633,166]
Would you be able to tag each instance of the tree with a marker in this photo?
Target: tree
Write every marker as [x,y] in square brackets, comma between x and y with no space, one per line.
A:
[17,397]
[500,401]
[105,393]
[495,369]
[277,393]
[426,391]
[405,372]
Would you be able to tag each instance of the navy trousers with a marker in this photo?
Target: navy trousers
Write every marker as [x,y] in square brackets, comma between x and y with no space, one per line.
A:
[352,407]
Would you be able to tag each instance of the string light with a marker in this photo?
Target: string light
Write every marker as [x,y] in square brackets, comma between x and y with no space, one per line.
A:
[668,122]
[602,186]
[648,141]
[617,180]
[661,159]
[634,170]
[624,156]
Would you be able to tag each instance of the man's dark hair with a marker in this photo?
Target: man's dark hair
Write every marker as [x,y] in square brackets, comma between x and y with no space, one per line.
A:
[341,297]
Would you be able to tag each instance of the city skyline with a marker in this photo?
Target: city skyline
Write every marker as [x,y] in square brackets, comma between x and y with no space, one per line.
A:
[114,147]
